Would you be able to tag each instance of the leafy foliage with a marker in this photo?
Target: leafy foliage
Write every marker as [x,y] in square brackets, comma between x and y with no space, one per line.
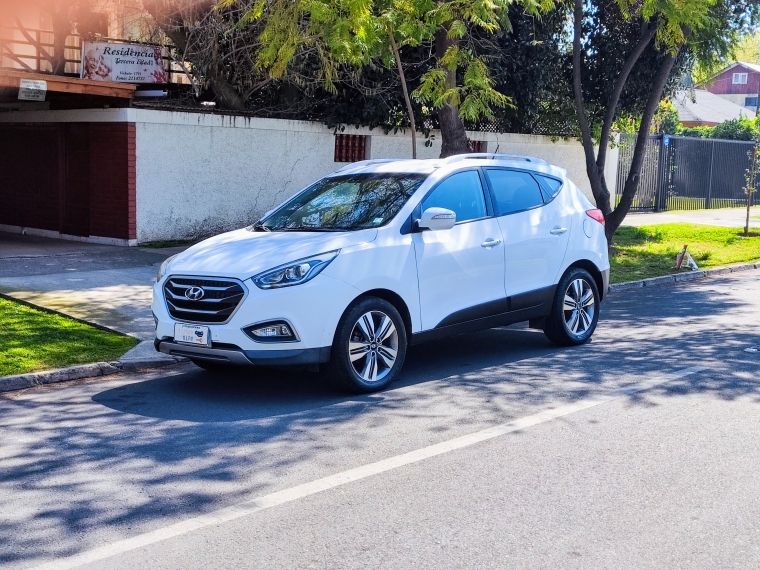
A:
[741,129]
[665,119]
[359,33]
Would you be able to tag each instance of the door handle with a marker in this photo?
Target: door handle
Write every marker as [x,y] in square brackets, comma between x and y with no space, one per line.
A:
[490,242]
[557,231]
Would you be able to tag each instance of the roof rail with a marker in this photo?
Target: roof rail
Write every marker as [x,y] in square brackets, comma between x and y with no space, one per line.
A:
[492,156]
[361,163]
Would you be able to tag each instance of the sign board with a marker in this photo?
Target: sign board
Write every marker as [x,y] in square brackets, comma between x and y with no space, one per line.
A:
[32,90]
[123,63]
[666,140]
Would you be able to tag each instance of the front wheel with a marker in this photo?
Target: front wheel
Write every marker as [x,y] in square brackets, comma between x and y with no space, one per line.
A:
[369,347]
[575,311]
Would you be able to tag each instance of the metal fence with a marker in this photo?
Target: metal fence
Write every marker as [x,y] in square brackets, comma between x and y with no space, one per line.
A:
[685,173]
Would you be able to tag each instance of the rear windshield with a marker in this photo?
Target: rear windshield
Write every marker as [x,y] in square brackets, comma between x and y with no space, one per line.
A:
[341,203]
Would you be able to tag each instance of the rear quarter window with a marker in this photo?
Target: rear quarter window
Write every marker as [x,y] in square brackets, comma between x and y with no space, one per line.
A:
[549,186]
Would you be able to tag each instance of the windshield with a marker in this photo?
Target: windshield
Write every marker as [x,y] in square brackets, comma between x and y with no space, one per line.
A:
[339,203]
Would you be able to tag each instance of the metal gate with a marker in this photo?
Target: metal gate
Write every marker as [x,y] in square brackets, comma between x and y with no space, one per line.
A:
[685,173]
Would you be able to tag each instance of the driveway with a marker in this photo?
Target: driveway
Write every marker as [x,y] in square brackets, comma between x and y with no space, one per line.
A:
[493,450]
[108,285]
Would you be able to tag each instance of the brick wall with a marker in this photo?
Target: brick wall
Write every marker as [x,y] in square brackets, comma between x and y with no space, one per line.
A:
[76,178]
[112,180]
[30,172]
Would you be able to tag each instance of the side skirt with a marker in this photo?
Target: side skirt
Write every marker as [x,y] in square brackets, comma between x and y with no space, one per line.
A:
[531,306]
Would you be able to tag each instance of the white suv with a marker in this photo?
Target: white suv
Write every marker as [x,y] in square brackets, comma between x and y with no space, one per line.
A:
[383,254]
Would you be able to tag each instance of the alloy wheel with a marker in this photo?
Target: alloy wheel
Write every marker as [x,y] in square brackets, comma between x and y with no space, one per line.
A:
[579,307]
[373,346]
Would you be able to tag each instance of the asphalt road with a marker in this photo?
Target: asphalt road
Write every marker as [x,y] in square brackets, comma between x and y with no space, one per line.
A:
[494,450]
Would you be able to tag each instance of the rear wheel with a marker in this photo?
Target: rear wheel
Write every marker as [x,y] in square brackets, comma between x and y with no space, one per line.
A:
[369,347]
[575,311]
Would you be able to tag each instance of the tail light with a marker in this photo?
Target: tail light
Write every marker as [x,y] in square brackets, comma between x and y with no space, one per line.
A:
[596,215]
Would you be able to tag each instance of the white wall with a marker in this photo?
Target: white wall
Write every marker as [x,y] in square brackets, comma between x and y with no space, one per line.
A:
[199,174]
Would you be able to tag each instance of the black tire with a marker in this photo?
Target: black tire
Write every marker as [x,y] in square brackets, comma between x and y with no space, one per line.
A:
[370,352]
[212,366]
[584,315]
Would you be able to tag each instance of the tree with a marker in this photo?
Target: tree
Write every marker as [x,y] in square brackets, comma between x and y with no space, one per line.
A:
[750,178]
[359,32]
[702,29]
[219,49]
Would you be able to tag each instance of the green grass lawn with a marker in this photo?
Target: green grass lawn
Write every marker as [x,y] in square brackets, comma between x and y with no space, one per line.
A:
[650,251]
[32,340]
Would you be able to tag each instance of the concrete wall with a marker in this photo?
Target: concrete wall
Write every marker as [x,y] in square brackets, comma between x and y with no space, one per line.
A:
[199,174]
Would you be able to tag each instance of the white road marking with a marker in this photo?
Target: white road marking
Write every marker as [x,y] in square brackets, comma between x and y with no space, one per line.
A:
[257,504]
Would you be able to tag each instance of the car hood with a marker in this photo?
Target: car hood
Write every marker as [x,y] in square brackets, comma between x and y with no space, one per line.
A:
[243,254]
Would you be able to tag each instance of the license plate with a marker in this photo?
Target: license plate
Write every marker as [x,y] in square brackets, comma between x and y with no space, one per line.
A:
[191,334]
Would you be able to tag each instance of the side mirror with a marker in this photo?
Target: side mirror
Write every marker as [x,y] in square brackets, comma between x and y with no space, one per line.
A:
[437,219]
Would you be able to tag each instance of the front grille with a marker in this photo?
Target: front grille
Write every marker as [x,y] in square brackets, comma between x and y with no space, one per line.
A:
[220,299]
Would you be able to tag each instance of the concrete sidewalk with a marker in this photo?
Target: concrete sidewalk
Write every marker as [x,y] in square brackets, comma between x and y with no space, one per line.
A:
[729,217]
[107,285]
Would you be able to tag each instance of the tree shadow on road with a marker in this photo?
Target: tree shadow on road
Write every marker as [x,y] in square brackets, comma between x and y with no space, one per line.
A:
[188,441]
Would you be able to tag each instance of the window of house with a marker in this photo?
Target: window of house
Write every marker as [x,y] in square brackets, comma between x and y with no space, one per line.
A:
[740,78]
[351,148]
[750,101]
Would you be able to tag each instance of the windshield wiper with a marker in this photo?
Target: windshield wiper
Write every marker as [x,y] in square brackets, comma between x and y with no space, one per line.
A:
[306,229]
[259,227]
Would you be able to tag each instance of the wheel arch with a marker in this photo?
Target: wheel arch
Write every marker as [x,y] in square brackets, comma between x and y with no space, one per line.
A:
[595,272]
[394,299]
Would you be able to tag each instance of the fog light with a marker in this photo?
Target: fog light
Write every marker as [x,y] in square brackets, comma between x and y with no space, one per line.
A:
[273,331]
[276,330]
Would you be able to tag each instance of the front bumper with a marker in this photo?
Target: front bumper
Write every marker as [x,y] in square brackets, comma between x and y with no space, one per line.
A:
[313,310]
[230,354]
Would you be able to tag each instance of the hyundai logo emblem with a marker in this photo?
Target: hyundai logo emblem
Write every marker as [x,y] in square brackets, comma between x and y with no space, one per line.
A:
[194,293]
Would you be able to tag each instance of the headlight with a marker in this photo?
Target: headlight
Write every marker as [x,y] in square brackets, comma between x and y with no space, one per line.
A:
[295,272]
[164,265]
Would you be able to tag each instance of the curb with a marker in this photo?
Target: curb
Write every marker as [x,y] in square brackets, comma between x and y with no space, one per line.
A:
[682,277]
[22,381]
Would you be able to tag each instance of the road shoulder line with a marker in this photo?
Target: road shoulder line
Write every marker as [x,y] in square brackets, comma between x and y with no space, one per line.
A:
[291,494]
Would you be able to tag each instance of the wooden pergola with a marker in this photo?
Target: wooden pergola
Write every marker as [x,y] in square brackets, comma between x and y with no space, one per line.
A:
[66,92]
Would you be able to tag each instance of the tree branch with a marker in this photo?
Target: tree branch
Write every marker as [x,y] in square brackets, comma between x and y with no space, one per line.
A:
[615,218]
[408,101]
[647,34]
[32,41]
[580,109]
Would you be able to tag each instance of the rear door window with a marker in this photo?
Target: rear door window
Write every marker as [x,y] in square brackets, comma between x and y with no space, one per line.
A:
[513,191]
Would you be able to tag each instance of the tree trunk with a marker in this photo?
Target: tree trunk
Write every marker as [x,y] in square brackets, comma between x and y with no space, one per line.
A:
[453,134]
[595,165]
[61,31]
[408,101]
[598,189]
[616,217]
